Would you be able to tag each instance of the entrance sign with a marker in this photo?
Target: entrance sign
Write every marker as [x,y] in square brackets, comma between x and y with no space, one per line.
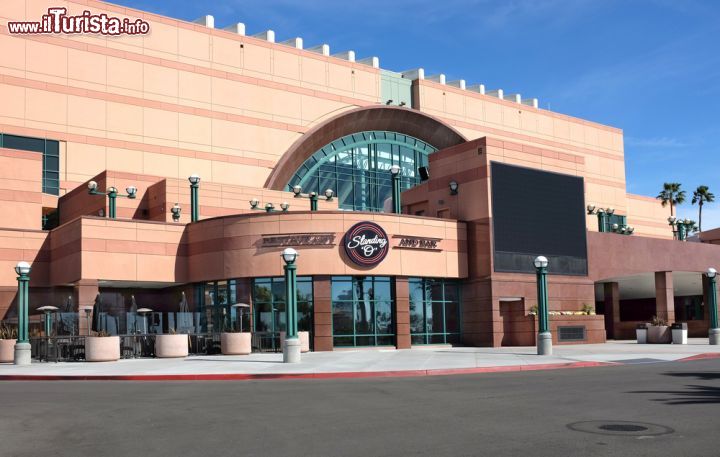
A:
[298,239]
[366,244]
[418,242]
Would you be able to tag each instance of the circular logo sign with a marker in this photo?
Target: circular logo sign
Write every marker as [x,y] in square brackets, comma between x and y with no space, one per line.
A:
[366,244]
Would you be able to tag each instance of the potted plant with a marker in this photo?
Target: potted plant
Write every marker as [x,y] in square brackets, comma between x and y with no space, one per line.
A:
[8,337]
[102,348]
[172,344]
[588,310]
[233,341]
[659,331]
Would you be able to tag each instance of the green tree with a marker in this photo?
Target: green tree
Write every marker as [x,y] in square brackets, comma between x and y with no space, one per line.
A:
[701,196]
[671,194]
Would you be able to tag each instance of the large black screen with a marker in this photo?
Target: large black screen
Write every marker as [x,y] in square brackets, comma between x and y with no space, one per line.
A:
[538,213]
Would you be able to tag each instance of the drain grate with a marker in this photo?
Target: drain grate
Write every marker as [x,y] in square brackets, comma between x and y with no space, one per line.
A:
[620,428]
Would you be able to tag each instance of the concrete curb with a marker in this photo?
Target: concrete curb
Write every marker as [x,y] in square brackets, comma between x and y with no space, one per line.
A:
[334,375]
[707,355]
[330,375]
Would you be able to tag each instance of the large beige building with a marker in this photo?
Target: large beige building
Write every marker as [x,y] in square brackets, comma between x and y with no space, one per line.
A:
[253,118]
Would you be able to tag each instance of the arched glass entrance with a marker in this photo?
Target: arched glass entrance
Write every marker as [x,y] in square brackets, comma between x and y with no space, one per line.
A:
[357,168]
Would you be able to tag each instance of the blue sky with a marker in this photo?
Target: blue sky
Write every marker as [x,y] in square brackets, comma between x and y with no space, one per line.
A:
[650,67]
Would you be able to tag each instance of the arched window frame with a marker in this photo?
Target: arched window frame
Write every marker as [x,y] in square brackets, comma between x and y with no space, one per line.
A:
[365,189]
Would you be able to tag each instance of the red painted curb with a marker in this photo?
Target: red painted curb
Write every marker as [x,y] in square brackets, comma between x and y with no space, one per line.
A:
[335,375]
[707,355]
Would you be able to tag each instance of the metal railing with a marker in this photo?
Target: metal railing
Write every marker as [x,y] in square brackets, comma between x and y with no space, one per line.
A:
[71,348]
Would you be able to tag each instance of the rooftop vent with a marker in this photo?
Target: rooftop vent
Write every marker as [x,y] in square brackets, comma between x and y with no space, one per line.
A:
[207,20]
[323,49]
[267,35]
[238,28]
[372,61]
[417,73]
[346,55]
[296,42]
[496,93]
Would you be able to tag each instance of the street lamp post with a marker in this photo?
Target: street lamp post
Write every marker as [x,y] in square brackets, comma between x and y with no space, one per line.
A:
[601,215]
[681,227]
[395,174]
[194,205]
[291,349]
[22,346]
[672,223]
[312,196]
[112,195]
[269,207]
[682,231]
[602,225]
[714,332]
[544,337]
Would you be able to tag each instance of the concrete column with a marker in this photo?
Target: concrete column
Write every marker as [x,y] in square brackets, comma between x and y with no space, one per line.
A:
[402,313]
[84,293]
[612,308]
[322,314]
[664,296]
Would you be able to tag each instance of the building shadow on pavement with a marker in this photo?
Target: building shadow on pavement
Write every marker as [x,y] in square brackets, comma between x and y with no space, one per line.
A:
[693,394]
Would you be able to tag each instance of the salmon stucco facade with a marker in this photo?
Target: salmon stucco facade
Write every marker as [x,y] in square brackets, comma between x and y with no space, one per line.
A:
[299,146]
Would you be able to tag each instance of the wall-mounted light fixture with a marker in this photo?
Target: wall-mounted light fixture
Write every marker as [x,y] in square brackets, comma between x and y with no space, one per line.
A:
[175,210]
[453,187]
[112,194]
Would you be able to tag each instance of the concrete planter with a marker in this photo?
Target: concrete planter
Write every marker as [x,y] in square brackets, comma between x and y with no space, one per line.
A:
[167,346]
[659,334]
[304,338]
[236,343]
[102,348]
[7,351]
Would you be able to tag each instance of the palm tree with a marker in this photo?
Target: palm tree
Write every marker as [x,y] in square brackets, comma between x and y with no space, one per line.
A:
[701,196]
[671,194]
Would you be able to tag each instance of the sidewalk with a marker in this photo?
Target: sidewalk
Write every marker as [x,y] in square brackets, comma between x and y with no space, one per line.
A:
[364,363]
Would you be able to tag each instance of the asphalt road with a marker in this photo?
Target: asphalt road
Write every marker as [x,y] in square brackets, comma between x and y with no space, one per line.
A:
[504,414]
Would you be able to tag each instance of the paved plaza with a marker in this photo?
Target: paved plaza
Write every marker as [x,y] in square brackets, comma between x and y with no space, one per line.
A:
[368,362]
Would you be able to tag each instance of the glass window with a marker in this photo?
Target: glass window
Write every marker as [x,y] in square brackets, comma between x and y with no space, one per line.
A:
[51,157]
[23,143]
[363,311]
[269,304]
[434,311]
[357,168]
